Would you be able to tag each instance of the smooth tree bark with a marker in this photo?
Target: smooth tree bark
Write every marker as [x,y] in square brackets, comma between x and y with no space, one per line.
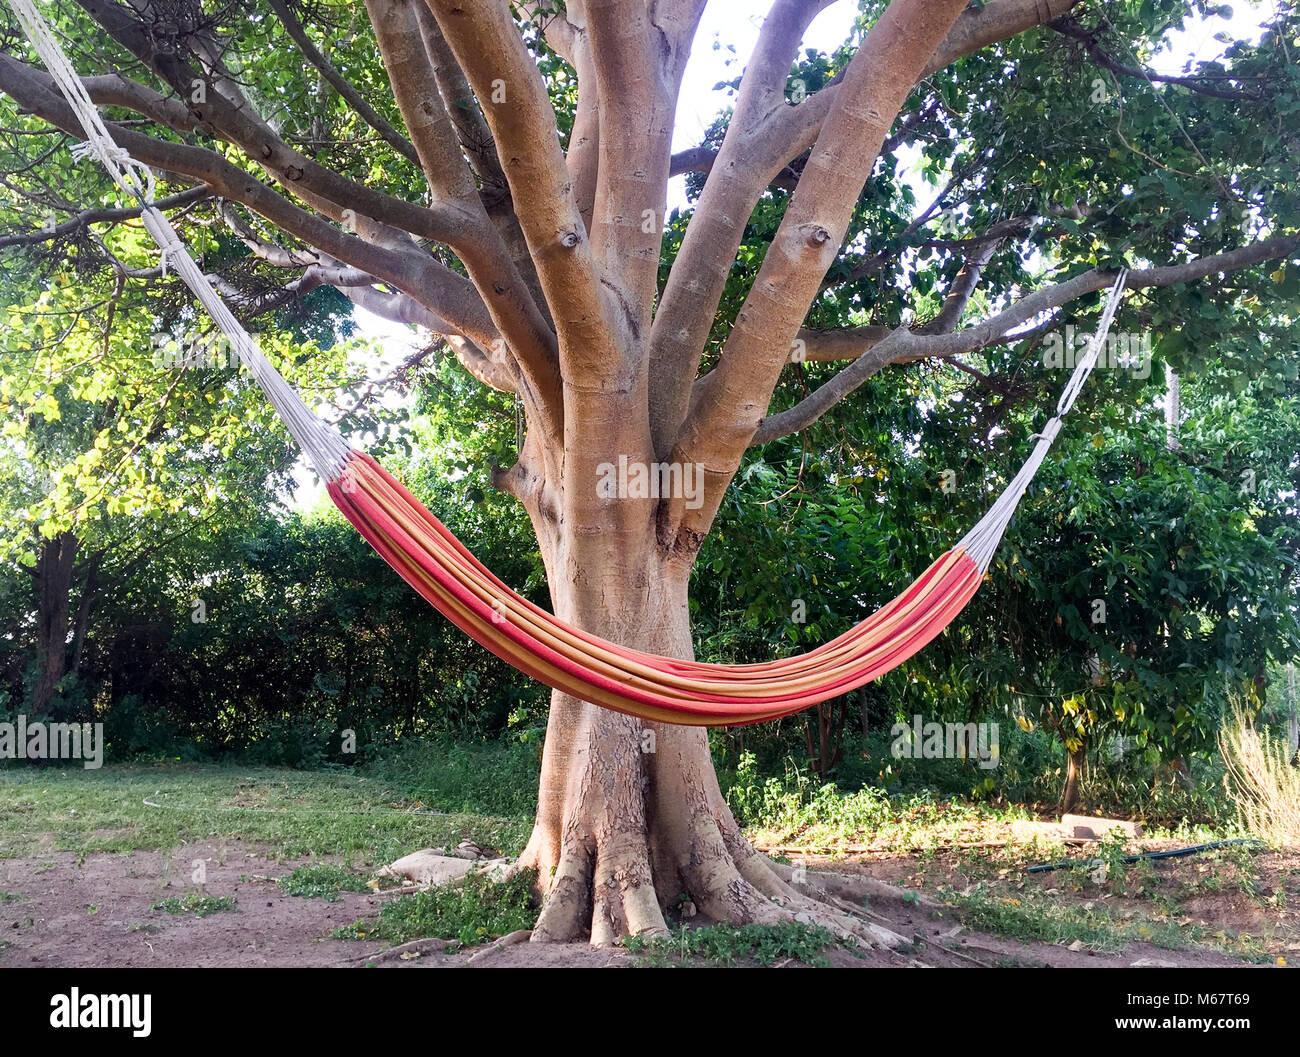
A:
[561,304]
[1074,765]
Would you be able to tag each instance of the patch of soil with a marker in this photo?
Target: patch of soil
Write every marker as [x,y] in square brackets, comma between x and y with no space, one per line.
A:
[1249,904]
[97,912]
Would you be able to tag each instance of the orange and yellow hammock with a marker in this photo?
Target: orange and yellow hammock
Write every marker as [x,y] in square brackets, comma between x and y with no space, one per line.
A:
[429,558]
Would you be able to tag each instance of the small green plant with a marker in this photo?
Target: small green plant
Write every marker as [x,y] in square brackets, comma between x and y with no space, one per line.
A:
[724,944]
[471,912]
[198,905]
[1067,923]
[321,882]
[1108,868]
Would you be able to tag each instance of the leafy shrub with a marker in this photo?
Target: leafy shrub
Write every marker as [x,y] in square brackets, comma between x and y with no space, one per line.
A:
[301,743]
[793,801]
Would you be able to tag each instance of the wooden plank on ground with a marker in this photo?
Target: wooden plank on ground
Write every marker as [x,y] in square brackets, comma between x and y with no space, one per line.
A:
[1089,828]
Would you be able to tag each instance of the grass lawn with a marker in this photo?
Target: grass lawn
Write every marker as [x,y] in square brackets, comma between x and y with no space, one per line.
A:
[123,808]
[344,824]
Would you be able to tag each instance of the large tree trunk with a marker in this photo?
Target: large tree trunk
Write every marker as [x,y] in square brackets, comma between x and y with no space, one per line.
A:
[631,823]
[630,816]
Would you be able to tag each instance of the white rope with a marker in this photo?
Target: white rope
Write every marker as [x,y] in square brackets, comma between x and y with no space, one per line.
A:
[981,541]
[322,443]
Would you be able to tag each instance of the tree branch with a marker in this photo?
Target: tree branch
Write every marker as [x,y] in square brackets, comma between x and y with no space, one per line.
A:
[460,111]
[408,269]
[701,159]
[115,90]
[583,157]
[838,343]
[489,49]
[903,346]
[963,286]
[349,94]
[458,221]
[410,75]
[101,216]
[465,114]
[1068,27]
[726,408]
[642,55]
[744,166]
[485,255]
[784,134]
[240,125]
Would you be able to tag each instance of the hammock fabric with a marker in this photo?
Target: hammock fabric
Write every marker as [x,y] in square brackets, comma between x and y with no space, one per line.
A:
[448,576]
[429,558]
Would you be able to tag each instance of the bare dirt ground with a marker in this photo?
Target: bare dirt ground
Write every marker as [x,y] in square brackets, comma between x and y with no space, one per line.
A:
[59,911]
[1247,904]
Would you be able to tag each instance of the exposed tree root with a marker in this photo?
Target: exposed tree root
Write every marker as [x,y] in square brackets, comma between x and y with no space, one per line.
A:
[632,825]
[414,947]
[508,940]
[607,891]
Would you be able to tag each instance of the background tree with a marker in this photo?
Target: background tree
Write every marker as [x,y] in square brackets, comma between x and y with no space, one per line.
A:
[480,196]
[126,429]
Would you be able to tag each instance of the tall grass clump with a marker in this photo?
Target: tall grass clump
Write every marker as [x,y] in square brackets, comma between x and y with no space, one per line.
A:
[1261,780]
